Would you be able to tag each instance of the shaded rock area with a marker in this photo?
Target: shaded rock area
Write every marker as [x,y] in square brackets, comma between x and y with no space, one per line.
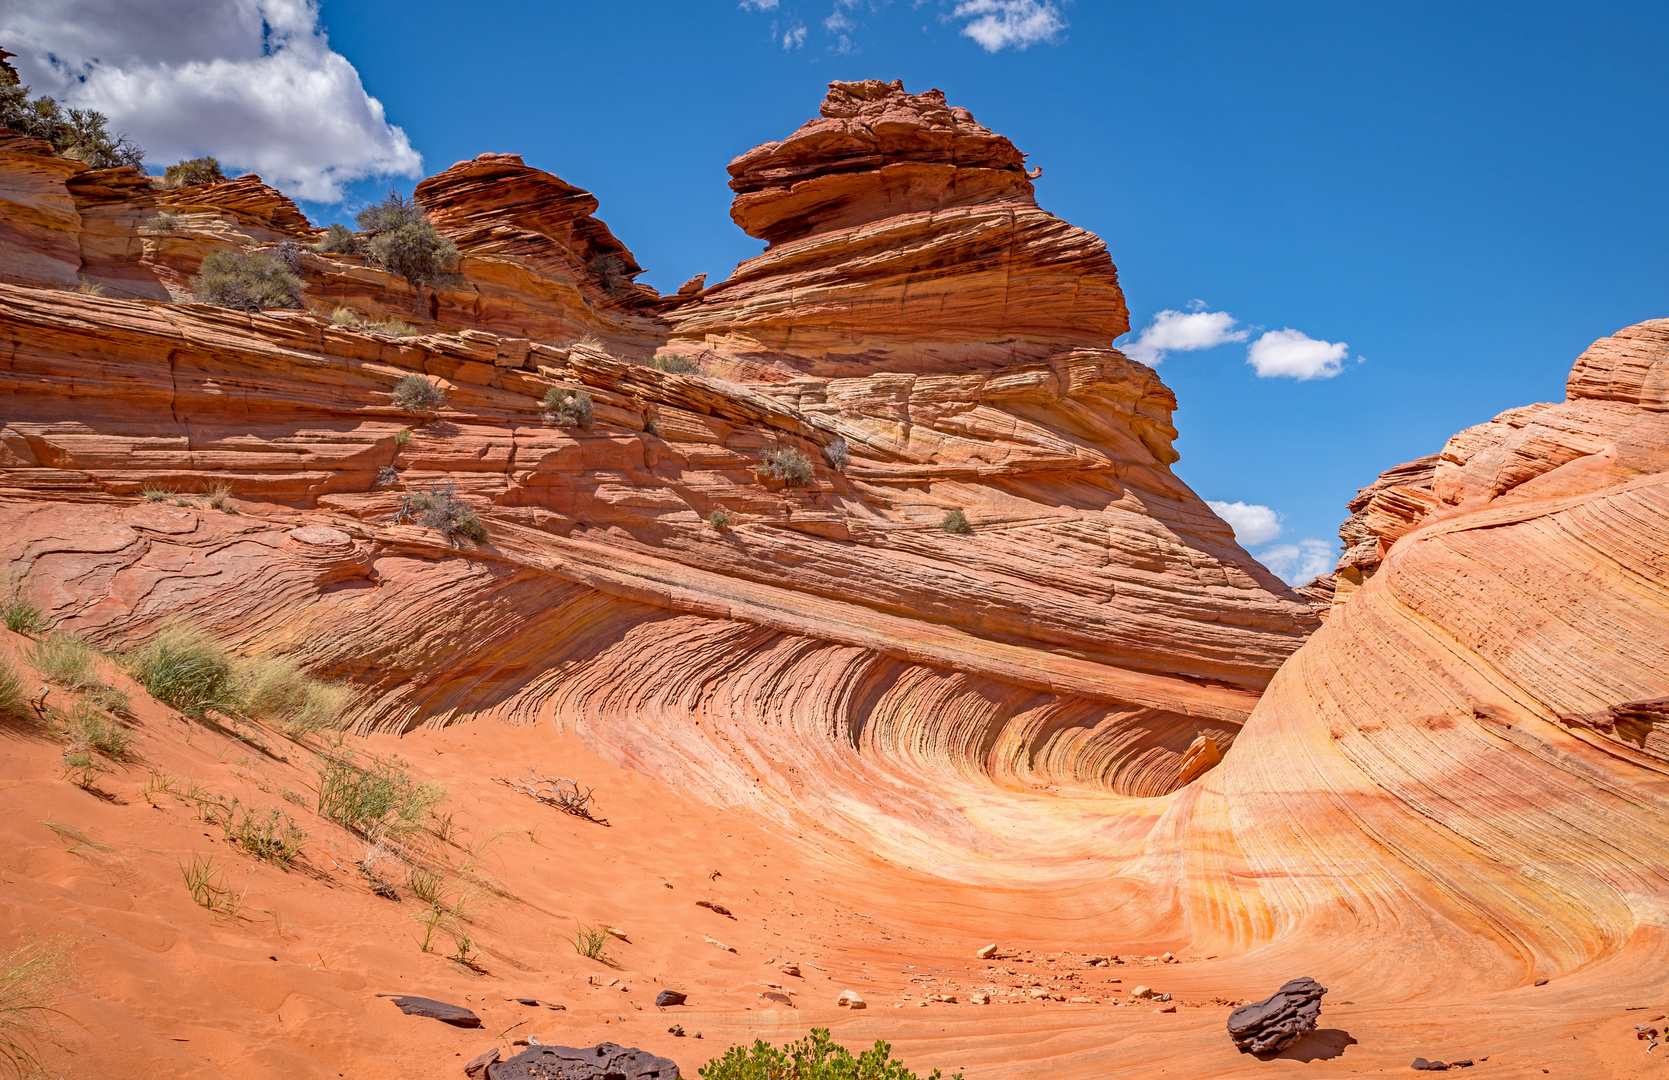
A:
[605,1061]
[1279,1020]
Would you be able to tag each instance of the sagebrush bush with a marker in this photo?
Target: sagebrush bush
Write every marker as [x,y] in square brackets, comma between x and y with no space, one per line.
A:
[246,282]
[185,668]
[786,464]
[344,316]
[440,508]
[838,454]
[276,690]
[203,170]
[403,241]
[164,221]
[419,395]
[955,521]
[674,364]
[376,799]
[340,240]
[570,408]
[815,1057]
[289,253]
[83,134]
[719,519]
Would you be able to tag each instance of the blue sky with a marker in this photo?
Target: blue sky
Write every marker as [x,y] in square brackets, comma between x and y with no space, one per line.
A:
[1465,195]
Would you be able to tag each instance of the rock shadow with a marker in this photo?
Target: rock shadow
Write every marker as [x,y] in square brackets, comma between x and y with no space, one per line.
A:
[1324,1044]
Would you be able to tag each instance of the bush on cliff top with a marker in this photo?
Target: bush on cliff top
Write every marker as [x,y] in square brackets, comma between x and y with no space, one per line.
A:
[815,1057]
[415,394]
[246,282]
[203,170]
[404,242]
[82,134]
[340,240]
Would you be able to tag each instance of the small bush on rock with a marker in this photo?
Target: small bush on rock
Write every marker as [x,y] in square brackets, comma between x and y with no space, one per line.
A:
[415,394]
[203,170]
[955,521]
[82,134]
[676,365]
[246,282]
[570,408]
[719,519]
[838,454]
[341,240]
[165,221]
[786,464]
[440,508]
[404,242]
[815,1057]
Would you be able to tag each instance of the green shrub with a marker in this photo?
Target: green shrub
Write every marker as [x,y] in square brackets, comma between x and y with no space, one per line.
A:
[89,729]
[719,519]
[402,437]
[82,767]
[591,942]
[440,508]
[612,273]
[66,660]
[838,454]
[82,134]
[246,282]
[404,242]
[816,1057]
[570,408]
[204,882]
[185,668]
[275,690]
[32,977]
[419,395]
[13,701]
[203,170]
[786,464]
[340,240]
[270,835]
[156,495]
[955,521]
[676,365]
[21,616]
[164,221]
[377,799]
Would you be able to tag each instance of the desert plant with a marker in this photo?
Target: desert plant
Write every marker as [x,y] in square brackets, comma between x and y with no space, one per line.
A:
[612,273]
[719,519]
[591,942]
[404,241]
[440,508]
[815,1057]
[185,668]
[13,703]
[164,221]
[376,799]
[427,885]
[289,253]
[416,394]
[189,173]
[153,495]
[274,689]
[402,437]
[340,240]
[90,288]
[390,327]
[83,767]
[786,464]
[674,364]
[558,791]
[570,408]
[82,134]
[157,784]
[32,977]
[344,316]
[269,835]
[205,883]
[220,498]
[387,474]
[246,282]
[838,454]
[20,615]
[66,660]
[112,699]
[955,521]
[89,729]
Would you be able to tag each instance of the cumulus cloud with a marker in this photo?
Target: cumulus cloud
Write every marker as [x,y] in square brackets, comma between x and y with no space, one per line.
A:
[1294,354]
[1298,563]
[1002,24]
[1252,524]
[1183,331]
[252,82]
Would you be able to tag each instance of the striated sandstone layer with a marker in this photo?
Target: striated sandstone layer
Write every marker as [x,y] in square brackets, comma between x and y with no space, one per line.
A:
[903,237]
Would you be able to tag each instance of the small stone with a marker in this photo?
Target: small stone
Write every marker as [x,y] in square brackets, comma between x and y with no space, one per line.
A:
[987,952]
[850,1000]
[718,944]
[615,931]
[980,999]
[1166,1008]
[670,997]
[456,1015]
[715,907]
[789,969]
[1142,992]
[1168,959]
[949,998]
[779,997]
[1279,1020]
[1541,982]
[1420,1064]
[1463,1063]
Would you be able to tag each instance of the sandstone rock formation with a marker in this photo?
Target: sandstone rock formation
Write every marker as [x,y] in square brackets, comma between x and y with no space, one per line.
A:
[1279,1020]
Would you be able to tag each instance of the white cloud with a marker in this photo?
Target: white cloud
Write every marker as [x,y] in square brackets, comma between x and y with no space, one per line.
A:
[794,37]
[1298,563]
[1296,355]
[759,5]
[1002,24]
[1252,524]
[836,22]
[1177,331]
[253,82]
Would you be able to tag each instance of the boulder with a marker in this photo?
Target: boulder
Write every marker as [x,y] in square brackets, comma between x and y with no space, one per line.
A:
[605,1061]
[456,1015]
[1279,1020]
[670,997]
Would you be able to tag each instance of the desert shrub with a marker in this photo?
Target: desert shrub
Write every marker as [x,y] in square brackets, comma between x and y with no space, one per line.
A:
[402,437]
[32,977]
[786,464]
[815,1057]
[269,835]
[340,240]
[404,242]
[591,942]
[275,689]
[838,454]
[676,365]
[21,617]
[205,882]
[955,521]
[13,703]
[83,134]
[389,327]
[220,498]
[612,273]
[82,767]
[66,660]
[203,170]
[377,799]
[344,316]
[419,395]
[719,519]
[185,668]
[388,474]
[89,729]
[90,288]
[155,495]
[164,221]
[440,508]
[288,252]
[570,408]
[246,282]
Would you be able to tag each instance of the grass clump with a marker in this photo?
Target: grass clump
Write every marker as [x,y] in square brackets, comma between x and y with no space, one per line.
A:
[220,498]
[440,508]
[89,729]
[66,660]
[340,240]
[345,317]
[246,282]
[275,690]
[786,464]
[838,454]
[955,521]
[377,799]
[190,173]
[390,327]
[675,365]
[570,408]
[416,394]
[20,615]
[83,768]
[205,882]
[32,978]
[185,668]
[269,835]
[89,287]
[165,222]
[815,1057]
[404,241]
[13,701]
[719,519]
[156,495]
[591,942]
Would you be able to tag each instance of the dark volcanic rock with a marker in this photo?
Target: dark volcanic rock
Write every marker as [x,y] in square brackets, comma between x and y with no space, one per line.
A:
[605,1061]
[670,997]
[1279,1020]
[456,1015]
